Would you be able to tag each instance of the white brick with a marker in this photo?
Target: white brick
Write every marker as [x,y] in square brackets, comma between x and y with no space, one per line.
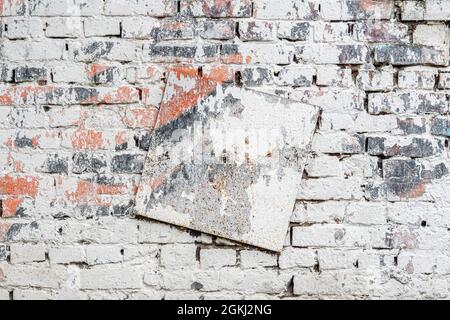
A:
[217,258]
[297,258]
[27,253]
[98,27]
[66,255]
[255,259]
[366,213]
[64,28]
[103,254]
[334,76]
[23,28]
[179,255]
[111,278]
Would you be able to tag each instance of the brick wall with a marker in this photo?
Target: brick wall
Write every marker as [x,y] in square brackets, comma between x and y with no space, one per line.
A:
[80,86]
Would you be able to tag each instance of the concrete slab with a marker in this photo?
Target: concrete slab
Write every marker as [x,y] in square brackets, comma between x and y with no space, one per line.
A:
[225,160]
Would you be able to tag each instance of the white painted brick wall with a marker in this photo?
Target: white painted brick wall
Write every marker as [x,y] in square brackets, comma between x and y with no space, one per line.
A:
[80,86]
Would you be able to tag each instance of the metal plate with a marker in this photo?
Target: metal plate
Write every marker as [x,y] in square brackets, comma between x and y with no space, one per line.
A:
[225,160]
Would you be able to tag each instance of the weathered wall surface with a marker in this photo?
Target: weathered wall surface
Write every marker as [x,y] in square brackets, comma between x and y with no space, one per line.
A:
[80,86]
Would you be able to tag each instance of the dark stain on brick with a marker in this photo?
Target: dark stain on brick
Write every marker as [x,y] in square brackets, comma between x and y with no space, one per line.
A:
[407,179]
[13,231]
[124,209]
[98,49]
[3,252]
[196,286]
[408,126]
[55,164]
[23,142]
[128,163]
[29,74]
[88,163]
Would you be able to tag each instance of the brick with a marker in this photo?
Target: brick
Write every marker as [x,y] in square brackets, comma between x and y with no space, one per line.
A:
[289,9]
[295,76]
[365,213]
[444,80]
[337,101]
[412,125]
[432,35]
[375,80]
[100,27]
[256,30]
[111,278]
[323,189]
[406,146]
[34,276]
[217,9]
[174,29]
[217,258]
[257,76]
[356,10]
[333,53]
[257,53]
[178,255]
[55,164]
[417,78]
[298,31]
[331,259]
[69,73]
[64,28]
[334,76]
[340,143]
[334,31]
[256,259]
[67,255]
[31,51]
[84,162]
[138,28]
[381,31]
[437,10]
[412,10]
[103,255]
[407,54]
[49,8]
[128,163]
[30,74]
[218,30]
[440,126]
[23,28]
[27,253]
[295,257]
[15,8]
[94,50]
[340,284]
[415,102]
[158,8]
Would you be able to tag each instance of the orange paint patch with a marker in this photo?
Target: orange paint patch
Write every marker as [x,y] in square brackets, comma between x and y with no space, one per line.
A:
[95,69]
[141,118]
[87,139]
[120,138]
[10,206]
[183,100]
[88,193]
[4,228]
[23,186]
[121,95]
[417,191]
[220,74]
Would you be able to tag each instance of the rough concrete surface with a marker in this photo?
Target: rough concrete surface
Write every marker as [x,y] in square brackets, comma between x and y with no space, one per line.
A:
[81,84]
[226,162]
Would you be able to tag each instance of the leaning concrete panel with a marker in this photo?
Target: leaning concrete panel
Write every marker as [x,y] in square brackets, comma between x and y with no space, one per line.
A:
[225,160]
